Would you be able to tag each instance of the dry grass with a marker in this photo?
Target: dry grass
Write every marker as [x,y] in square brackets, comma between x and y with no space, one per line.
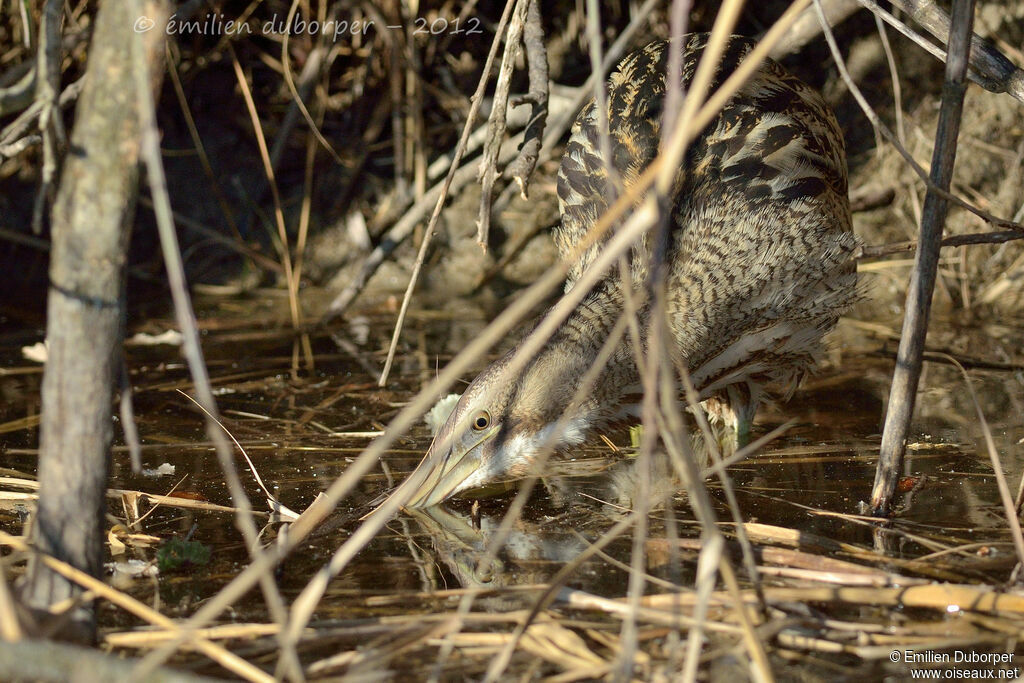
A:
[354,166]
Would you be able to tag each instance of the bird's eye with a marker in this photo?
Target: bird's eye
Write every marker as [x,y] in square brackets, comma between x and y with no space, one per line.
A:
[481,421]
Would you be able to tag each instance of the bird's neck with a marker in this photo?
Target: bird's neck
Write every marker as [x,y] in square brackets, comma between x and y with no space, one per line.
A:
[580,340]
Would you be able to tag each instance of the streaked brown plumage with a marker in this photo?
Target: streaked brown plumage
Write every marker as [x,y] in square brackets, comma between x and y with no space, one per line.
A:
[758,268]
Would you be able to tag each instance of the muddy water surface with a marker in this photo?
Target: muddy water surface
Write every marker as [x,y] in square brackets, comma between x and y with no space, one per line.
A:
[302,428]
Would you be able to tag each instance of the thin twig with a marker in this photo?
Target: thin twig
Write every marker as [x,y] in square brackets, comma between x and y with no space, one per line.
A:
[1005,497]
[310,70]
[268,169]
[996,237]
[894,78]
[442,194]
[537,60]
[51,126]
[496,122]
[275,504]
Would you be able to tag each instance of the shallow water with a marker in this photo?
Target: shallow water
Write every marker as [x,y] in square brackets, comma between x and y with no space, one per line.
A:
[301,429]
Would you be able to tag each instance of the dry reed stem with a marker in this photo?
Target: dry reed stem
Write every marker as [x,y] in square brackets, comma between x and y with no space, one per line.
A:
[118,494]
[284,250]
[197,144]
[818,566]
[678,113]
[476,101]
[463,176]
[667,615]
[763,533]
[945,598]
[1005,497]
[147,639]
[286,70]
[496,126]
[218,654]
[764,47]
[922,282]
[275,505]
[150,156]
[750,619]
[10,626]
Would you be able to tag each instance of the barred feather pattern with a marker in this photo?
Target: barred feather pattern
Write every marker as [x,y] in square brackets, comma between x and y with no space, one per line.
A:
[759,267]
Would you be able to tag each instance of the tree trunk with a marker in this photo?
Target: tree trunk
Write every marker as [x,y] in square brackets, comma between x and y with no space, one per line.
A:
[94,207]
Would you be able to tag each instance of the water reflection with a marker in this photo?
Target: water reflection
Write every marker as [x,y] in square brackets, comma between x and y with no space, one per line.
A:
[813,487]
[568,513]
[530,554]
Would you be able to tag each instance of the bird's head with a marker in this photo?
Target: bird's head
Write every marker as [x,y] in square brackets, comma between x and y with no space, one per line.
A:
[501,424]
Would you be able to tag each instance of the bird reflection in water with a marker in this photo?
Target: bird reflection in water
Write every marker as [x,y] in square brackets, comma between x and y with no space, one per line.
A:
[578,509]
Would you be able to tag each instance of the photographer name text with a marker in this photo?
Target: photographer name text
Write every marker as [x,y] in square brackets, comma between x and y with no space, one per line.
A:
[220,25]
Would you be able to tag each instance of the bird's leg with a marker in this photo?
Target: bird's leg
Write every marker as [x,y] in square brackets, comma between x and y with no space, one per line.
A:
[742,406]
[731,415]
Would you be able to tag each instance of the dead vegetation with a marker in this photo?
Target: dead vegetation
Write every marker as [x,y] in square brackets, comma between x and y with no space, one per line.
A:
[303,170]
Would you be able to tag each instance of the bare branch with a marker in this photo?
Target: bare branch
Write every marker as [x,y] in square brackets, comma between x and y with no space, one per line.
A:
[922,281]
[496,126]
[537,58]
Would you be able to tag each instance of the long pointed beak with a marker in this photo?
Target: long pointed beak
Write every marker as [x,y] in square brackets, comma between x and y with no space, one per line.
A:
[445,472]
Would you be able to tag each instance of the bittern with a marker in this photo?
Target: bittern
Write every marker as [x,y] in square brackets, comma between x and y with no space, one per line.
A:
[757,270]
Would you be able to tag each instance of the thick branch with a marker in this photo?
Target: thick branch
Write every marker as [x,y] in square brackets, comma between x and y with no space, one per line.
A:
[922,281]
[93,209]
